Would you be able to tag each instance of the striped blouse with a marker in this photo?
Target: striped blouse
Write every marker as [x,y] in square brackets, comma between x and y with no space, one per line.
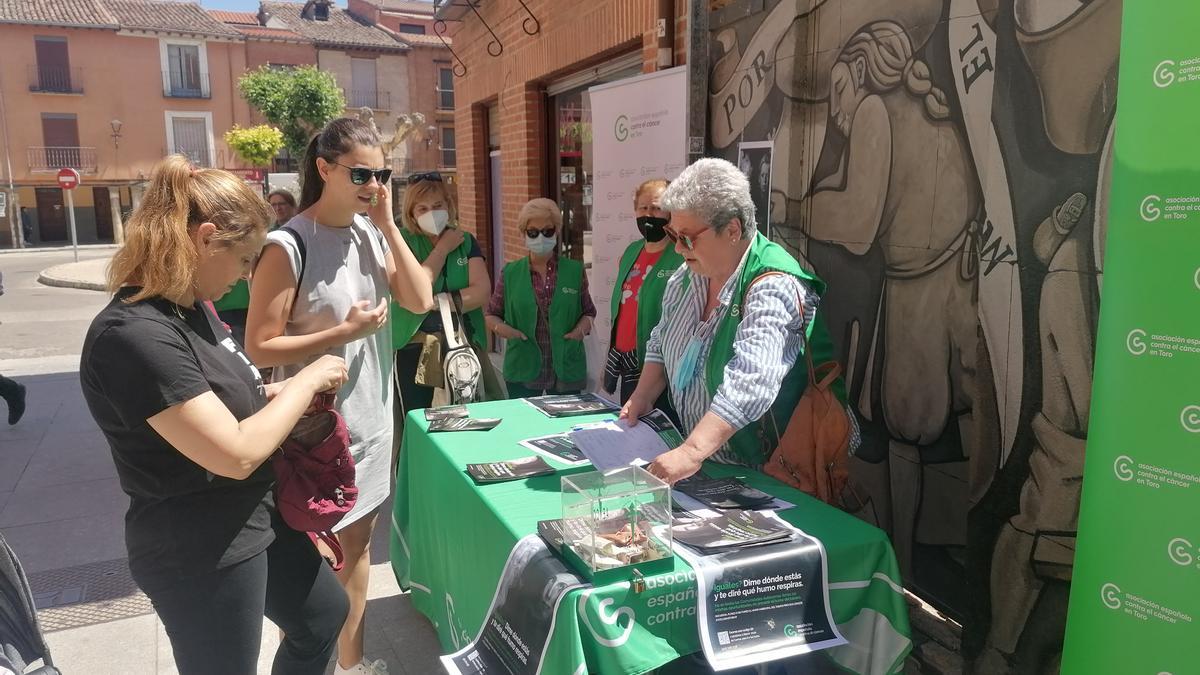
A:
[766,345]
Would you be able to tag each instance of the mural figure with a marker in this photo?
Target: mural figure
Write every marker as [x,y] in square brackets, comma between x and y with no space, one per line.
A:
[1037,545]
[927,152]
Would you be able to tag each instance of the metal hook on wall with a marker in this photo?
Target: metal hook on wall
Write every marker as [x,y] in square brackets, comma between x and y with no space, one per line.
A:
[439,29]
[537,25]
[495,47]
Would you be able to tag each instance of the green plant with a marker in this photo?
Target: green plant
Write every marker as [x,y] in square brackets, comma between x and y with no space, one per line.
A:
[299,101]
[257,146]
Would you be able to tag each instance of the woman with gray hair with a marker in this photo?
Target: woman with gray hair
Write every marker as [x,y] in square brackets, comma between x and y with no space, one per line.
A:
[542,307]
[740,309]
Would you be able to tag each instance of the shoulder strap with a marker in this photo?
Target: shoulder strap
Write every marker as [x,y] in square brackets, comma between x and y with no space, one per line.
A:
[301,249]
[803,336]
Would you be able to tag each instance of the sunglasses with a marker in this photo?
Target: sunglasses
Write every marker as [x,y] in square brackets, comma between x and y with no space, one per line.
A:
[428,175]
[362,176]
[546,232]
[689,241]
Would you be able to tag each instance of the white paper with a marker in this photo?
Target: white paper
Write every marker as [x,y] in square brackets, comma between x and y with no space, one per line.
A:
[613,444]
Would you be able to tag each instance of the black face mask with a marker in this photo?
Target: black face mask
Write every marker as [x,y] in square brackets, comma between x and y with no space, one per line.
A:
[652,228]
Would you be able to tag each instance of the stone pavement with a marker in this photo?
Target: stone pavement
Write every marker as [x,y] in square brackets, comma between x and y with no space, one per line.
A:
[62,511]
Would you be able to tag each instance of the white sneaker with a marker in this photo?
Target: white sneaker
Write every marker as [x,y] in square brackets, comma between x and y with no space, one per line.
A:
[376,667]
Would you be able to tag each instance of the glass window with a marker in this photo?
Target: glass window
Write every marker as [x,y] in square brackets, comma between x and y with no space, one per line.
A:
[191,139]
[183,70]
[445,89]
[448,154]
[412,29]
[572,163]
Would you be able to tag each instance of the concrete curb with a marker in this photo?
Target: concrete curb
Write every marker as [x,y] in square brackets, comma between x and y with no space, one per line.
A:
[67,276]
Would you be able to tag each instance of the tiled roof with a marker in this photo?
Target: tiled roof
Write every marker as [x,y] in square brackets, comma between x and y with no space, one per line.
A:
[342,29]
[226,16]
[161,15]
[269,33]
[422,40]
[88,13]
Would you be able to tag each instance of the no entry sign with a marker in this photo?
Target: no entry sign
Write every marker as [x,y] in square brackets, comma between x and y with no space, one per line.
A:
[68,179]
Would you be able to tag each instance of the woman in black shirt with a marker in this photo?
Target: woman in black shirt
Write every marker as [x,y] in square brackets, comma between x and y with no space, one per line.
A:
[191,427]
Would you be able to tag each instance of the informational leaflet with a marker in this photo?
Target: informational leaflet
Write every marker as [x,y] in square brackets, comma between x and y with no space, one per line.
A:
[723,493]
[614,444]
[446,412]
[516,469]
[463,424]
[763,603]
[729,530]
[558,447]
[520,620]
[571,405]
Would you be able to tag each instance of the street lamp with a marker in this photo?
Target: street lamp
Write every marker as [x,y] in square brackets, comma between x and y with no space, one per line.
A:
[430,134]
[116,132]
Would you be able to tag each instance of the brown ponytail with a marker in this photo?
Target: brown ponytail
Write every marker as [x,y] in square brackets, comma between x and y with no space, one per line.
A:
[337,138]
[158,254]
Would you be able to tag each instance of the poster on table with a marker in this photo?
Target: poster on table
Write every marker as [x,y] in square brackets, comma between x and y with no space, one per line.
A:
[639,132]
[763,603]
[520,621]
[754,159]
[1135,590]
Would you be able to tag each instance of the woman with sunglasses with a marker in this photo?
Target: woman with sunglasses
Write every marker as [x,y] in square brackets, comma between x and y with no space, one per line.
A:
[727,350]
[542,307]
[322,286]
[455,262]
[637,296]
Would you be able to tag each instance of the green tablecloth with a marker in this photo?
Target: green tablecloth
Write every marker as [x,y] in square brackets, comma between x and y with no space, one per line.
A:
[450,539]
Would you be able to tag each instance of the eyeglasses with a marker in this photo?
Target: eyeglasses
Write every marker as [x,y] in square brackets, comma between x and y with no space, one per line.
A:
[689,241]
[546,232]
[428,175]
[361,176]
[276,205]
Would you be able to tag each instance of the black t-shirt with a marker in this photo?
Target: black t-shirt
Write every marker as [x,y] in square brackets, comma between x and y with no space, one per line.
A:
[138,360]
[432,323]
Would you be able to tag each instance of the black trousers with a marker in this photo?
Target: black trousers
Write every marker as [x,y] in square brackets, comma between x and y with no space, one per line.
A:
[413,396]
[215,621]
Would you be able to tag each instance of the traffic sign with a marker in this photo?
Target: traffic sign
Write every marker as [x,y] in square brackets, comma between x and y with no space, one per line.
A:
[68,179]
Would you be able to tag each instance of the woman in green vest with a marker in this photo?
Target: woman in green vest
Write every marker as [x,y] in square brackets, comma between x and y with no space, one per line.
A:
[727,351]
[454,262]
[637,296]
[542,307]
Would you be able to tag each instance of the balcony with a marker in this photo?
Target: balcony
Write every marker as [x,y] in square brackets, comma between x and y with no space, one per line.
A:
[44,159]
[368,98]
[186,85]
[55,80]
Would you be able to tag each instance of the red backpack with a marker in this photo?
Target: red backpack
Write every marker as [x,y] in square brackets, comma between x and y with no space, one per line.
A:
[314,473]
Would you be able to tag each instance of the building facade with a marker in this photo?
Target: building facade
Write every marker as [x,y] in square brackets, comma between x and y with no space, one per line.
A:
[523,119]
[108,87]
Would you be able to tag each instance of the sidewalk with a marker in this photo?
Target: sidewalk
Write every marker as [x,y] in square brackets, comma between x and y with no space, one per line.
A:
[86,274]
[62,510]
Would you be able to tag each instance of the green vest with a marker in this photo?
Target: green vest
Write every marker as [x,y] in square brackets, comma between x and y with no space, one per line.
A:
[753,442]
[238,297]
[650,294]
[523,358]
[455,276]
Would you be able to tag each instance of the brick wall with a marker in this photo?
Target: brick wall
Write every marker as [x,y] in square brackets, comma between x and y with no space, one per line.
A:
[572,37]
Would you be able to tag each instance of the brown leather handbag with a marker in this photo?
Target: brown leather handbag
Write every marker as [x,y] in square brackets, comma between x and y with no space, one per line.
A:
[814,448]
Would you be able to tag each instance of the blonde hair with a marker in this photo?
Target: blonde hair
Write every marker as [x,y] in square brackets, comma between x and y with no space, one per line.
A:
[539,208]
[887,51]
[651,184]
[421,190]
[158,254]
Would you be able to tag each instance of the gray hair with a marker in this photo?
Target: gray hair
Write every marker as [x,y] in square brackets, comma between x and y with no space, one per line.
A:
[716,191]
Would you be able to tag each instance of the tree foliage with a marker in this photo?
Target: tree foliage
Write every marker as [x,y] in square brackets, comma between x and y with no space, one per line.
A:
[298,101]
[257,146]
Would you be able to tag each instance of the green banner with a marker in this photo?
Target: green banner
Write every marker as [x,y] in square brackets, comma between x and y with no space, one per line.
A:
[1135,596]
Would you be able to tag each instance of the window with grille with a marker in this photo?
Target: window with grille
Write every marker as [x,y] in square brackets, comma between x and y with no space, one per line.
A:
[445,89]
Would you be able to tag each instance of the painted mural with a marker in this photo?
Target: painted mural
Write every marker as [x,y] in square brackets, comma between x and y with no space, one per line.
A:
[942,165]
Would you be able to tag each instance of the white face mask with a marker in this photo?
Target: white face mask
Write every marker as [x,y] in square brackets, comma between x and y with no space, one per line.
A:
[541,245]
[434,222]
